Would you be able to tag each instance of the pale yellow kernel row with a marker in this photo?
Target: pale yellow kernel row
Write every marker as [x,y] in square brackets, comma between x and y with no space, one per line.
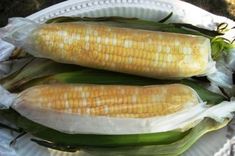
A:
[110,100]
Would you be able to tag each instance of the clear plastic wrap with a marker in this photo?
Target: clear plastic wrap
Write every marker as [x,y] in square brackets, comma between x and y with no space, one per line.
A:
[6,98]
[76,124]
[18,32]
[19,147]
[223,75]
[6,50]
[6,138]
[189,116]
[90,45]
[230,59]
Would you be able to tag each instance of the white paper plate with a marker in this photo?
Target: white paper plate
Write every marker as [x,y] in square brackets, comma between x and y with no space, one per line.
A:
[215,143]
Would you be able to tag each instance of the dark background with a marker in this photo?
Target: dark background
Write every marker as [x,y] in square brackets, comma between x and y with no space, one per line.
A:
[13,8]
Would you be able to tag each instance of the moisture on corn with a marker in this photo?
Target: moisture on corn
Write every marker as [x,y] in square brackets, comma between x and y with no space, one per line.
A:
[109,100]
[134,51]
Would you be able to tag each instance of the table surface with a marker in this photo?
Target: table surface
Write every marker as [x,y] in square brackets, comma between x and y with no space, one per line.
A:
[22,8]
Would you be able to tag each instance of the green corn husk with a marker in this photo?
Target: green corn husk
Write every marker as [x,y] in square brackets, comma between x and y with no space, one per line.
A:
[43,71]
[173,149]
[35,68]
[219,44]
[50,72]
[89,139]
[82,75]
[103,77]
[164,143]
[13,66]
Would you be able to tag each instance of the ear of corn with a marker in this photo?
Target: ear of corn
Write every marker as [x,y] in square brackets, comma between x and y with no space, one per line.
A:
[219,44]
[113,109]
[139,52]
[113,101]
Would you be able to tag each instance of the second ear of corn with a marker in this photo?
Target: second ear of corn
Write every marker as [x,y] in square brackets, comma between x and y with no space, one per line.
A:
[109,100]
[140,52]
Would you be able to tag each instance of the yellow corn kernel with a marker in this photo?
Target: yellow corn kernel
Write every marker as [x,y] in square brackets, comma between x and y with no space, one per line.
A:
[139,52]
[110,100]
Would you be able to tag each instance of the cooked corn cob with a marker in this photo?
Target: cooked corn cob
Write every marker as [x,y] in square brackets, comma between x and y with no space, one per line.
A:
[109,100]
[139,52]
